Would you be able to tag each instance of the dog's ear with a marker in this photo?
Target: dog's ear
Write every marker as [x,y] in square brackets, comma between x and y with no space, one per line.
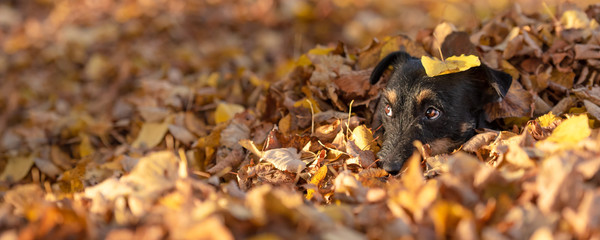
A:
[498,81]
[394,58]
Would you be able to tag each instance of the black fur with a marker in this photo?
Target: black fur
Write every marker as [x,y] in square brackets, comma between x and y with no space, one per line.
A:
[459,97]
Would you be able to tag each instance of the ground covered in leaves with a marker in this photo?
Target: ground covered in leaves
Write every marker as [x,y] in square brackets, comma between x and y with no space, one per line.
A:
[251,119]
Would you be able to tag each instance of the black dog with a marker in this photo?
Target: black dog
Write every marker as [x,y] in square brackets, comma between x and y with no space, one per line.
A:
[442,111]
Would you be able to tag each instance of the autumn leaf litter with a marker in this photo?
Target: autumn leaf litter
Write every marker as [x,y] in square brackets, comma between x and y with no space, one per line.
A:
[162,151]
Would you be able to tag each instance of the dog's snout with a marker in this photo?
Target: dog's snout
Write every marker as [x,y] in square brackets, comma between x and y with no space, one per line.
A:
[391,167]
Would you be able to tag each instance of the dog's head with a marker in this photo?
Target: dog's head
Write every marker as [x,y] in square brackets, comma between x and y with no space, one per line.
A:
[441,111]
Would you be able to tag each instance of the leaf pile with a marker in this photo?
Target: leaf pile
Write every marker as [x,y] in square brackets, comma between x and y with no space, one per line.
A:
[157,120]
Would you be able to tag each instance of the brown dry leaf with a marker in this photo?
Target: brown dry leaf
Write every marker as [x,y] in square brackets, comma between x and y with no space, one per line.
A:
[23,199]
[227,159]
[153,174]
[211,228]
[591,94]
[584,218]
[284,159]
[47,167]
[233,134]
[354,84]
[457,43]
[328,132]
[364,158]
[556,184]
[153,114]
[349,188]
[479,140]
[181,134]
[587,51]
[517,156]
[377,51]
[17,168]
[592,109]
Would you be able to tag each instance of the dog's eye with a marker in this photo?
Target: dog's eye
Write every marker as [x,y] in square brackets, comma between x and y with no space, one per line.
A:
[432,113]
[388,110]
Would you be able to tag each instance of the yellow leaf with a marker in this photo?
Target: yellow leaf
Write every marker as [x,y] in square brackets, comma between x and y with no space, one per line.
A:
[547,119]
[574,19]
[446,215]
[152,134]
[16,168]
[572,130]
[211,80]
[97,67]
[435,67]
[308,104]
[254,80]
[363,138]
[85,147]
[316,180]
[320,51]
[413,178]
[226,111]
[285,124]
[303,61]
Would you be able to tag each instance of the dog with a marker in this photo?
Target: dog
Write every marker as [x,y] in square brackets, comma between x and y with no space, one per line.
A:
[441,111]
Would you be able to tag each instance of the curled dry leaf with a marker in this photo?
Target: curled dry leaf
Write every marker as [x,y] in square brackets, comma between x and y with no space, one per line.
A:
[226,159]
[479,140]
[365,157]
[284,159]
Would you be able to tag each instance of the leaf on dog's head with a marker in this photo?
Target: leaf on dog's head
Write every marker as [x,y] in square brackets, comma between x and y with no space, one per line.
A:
[435,67]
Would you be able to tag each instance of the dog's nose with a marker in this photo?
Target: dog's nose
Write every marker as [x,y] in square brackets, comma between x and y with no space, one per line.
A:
[390,167]
[393,172]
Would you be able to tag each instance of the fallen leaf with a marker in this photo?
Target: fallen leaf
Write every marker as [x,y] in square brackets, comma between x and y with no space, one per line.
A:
[349,188]
[181,134]
[316,180]
[571,130]
[363,138]
[479,140]
[226,111]
[151,134]
[17,168]
[435,67]
[574,19]
[284,159]
[548,119]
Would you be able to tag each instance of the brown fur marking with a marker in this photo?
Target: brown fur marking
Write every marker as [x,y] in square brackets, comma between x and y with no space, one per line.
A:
[391,96]
[424,94]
